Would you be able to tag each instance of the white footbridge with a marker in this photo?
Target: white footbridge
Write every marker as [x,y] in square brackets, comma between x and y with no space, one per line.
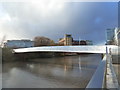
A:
[104,77]
[77,49]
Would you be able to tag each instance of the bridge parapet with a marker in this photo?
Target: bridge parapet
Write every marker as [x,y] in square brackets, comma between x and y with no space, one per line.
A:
[99,77]
[104,77]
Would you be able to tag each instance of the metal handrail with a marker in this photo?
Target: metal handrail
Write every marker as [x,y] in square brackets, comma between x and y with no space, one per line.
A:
[99,77]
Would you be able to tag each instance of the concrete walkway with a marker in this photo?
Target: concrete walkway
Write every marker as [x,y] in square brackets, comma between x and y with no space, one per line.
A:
[111,78]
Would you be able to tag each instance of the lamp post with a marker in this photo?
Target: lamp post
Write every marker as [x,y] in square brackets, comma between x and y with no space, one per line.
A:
[79,40]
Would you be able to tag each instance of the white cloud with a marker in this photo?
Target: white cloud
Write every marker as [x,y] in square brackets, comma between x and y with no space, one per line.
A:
[26,18]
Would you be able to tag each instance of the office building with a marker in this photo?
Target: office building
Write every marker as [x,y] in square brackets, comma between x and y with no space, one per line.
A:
[113,36]
[66,41]
[18,43]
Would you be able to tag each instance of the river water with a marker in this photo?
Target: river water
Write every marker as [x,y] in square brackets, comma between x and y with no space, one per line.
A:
[57,72]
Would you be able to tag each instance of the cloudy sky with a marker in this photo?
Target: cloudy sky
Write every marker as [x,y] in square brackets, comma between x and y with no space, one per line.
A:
[53,19]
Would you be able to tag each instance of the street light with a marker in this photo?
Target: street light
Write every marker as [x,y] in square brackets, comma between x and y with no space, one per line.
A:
[79,40]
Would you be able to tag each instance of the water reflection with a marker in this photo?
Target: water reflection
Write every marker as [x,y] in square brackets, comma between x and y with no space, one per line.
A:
[58,72]
[79,63]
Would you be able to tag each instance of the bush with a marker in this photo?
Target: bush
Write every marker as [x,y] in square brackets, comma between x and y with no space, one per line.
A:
[7,55]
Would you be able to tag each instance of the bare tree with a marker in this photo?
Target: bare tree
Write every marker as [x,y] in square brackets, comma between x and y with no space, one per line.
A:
[2,41]
[42,41]
[52,43]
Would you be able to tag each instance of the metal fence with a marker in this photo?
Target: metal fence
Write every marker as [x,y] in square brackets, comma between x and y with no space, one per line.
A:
[104,77]
[99,77]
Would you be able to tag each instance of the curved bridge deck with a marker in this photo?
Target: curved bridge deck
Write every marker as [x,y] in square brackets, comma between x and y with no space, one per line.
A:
[77,49]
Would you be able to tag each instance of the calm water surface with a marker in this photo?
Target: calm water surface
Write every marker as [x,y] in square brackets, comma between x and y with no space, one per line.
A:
[57,72]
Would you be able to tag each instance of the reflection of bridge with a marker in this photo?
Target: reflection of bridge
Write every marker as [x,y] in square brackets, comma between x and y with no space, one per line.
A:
[104,77]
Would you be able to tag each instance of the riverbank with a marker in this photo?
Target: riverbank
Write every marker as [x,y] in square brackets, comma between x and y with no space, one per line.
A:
[8,56]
